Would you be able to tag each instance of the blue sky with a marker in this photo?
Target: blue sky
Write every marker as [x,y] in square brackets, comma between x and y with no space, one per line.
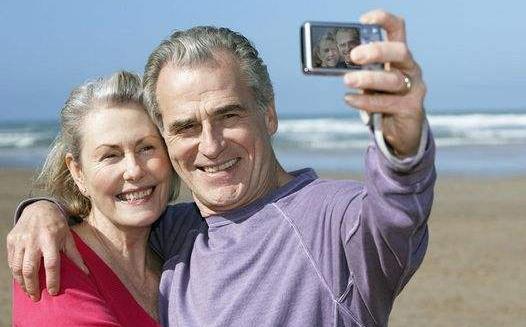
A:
[472,52]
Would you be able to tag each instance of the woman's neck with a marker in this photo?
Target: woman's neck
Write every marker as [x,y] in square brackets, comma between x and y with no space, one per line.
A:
[124,247]
[127,244]
[125,250]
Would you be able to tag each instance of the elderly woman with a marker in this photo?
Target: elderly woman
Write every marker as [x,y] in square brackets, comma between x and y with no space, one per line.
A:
[109,167]
[326,53]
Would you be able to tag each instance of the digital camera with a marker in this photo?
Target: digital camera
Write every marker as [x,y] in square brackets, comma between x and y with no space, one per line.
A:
[326,47]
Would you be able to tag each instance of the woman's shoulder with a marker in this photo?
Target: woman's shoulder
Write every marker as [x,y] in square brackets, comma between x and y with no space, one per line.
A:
[77,302]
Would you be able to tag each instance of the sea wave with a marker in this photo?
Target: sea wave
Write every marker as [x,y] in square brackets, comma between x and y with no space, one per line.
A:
[24,140]
[330,133]
[449,130]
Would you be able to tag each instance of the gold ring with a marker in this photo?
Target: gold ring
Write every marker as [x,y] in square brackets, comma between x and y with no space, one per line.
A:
[407,82]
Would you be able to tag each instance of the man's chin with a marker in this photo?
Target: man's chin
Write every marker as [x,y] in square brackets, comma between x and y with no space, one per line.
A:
[217,201]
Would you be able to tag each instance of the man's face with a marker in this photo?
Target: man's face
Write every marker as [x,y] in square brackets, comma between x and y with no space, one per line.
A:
[217,141]
[346,41]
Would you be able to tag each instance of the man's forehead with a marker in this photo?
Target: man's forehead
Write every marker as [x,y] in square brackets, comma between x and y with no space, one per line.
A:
[188,92]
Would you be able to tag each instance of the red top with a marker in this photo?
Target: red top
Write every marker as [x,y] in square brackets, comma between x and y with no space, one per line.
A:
[97,299]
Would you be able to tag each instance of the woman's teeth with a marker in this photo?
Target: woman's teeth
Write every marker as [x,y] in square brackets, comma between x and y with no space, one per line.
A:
[134,196]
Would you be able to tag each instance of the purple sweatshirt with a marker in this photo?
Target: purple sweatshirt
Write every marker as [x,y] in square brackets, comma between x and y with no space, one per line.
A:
[312,253]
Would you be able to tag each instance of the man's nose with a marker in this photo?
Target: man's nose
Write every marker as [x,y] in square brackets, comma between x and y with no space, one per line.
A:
[211,141]
[133,170]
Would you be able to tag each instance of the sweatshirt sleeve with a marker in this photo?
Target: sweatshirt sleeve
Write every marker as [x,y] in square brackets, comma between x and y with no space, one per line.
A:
[24,203]
[170,232]
[390,231]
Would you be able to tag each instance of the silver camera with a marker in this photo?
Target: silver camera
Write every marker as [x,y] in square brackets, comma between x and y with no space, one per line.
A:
[326,47]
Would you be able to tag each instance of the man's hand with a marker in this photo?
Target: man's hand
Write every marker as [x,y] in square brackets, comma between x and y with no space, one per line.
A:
[387,91]
[42,230]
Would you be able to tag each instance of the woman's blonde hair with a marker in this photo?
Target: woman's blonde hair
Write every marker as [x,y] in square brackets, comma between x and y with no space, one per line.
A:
[55,179]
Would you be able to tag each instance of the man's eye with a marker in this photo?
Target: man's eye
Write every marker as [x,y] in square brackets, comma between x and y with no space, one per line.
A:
[230,119]
[108,156]
[147,148]
[186,128]
[231,115]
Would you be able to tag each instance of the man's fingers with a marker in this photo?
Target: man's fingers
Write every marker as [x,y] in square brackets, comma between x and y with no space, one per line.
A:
[30,267]
[16,266]
[51,256]
[395,53]
[71,252]
[393,25]
[10,247]
[385,81]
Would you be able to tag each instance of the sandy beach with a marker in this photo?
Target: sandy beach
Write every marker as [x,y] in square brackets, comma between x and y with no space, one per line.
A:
[474,273]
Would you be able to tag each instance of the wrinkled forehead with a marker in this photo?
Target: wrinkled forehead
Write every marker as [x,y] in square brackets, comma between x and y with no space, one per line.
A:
[207,86]
[116,124]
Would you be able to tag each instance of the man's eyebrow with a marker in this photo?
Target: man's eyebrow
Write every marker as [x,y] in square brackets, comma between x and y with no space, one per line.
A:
[176,125]
[228,108]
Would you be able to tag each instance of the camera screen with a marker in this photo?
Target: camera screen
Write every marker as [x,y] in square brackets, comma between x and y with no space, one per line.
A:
[331,46]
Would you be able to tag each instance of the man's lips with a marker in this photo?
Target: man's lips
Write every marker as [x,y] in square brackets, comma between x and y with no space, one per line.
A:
[219,167]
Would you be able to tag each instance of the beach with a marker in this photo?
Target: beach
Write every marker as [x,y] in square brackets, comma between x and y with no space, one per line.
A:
[473,273]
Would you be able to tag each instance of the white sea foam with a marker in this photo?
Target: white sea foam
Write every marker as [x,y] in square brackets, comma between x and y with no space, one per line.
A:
[322,125]
[449,130]
[17,140]
[332,133]
[478,120]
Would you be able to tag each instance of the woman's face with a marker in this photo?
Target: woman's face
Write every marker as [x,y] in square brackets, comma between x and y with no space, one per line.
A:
[329,54]
[124,167]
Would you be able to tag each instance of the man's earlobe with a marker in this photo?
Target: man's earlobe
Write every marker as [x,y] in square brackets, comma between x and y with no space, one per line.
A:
[271,120]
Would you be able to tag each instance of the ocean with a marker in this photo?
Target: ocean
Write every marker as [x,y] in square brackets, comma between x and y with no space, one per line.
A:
[468,142]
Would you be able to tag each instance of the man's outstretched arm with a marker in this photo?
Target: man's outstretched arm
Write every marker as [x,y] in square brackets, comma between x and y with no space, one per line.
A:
[385,243]
[41,231]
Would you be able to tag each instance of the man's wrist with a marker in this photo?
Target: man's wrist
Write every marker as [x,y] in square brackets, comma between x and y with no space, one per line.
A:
[401,164]
[22,205]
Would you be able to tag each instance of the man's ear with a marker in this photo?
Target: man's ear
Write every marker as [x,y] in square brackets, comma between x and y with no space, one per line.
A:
[271,120]
[75,169]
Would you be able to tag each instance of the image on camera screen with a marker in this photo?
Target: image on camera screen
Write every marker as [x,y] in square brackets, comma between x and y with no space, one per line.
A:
[332,46]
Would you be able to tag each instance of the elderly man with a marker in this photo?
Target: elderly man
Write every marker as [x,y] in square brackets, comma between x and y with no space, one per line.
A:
[261,246]
[346,40]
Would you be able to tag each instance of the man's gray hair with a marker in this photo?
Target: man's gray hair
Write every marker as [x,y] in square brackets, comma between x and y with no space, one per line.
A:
[198,45]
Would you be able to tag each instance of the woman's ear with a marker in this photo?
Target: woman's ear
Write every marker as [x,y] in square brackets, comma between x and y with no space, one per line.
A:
[75,169]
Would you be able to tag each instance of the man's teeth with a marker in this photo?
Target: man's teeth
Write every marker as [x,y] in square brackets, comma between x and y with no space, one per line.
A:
[214,169]
[133,196]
